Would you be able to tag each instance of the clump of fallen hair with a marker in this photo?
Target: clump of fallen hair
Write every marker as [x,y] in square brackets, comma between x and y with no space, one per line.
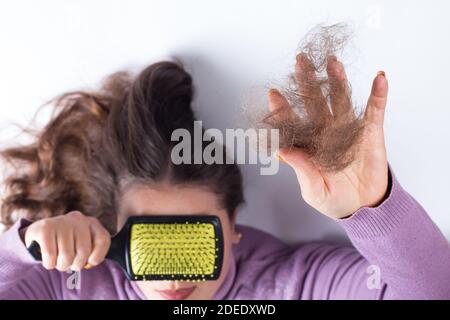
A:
[320,118]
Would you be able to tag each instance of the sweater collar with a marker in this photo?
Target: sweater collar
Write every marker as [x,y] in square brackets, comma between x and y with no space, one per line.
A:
[227,284]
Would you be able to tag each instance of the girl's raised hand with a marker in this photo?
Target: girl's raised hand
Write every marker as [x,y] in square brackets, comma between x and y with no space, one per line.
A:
[364,182]
[71,241]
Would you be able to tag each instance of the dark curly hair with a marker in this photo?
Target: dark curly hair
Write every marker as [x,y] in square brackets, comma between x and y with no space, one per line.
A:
[96,140]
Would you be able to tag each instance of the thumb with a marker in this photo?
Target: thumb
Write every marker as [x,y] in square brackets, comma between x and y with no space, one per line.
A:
[376,105]
[307,174]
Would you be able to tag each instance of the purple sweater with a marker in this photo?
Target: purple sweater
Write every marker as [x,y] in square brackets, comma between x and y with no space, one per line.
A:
[396,240]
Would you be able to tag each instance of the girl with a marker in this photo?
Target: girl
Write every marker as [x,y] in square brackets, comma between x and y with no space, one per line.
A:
[106,156]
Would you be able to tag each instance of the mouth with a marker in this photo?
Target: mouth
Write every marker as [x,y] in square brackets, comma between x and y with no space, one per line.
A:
[179,294]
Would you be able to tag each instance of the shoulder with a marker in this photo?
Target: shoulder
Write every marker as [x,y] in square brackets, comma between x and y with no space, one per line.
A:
[259,248]
[257,244]
[268,268]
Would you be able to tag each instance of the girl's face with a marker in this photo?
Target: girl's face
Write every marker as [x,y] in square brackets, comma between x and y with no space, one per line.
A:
[166,199]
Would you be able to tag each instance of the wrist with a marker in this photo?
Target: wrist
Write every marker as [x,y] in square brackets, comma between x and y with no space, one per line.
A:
[380,200]
[371,222]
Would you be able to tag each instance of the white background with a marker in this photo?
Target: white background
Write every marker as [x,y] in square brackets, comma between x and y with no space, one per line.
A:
[230,47]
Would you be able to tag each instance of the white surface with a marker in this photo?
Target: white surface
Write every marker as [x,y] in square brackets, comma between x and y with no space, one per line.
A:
[49,47]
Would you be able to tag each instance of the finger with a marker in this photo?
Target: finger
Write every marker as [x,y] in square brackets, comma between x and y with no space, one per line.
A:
[101,240]
[277,100]
[47,243]
[83,248]
[376,105]
[309,177]
[310,90]
[278,105]
[340,97]
[66,248]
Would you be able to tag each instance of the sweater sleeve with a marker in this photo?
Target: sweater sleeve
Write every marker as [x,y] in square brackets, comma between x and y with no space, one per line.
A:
[21,277]
[402,254]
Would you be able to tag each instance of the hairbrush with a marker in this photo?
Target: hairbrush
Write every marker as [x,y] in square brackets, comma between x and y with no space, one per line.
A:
[188,248]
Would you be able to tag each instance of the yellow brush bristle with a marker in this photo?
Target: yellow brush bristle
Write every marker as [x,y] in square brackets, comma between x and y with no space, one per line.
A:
[170,249]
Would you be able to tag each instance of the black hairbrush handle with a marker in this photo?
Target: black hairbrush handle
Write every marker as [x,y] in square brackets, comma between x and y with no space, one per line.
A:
[35,250]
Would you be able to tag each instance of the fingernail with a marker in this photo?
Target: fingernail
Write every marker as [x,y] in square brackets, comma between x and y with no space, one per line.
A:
[88,266]
[273,91]
[381,73]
